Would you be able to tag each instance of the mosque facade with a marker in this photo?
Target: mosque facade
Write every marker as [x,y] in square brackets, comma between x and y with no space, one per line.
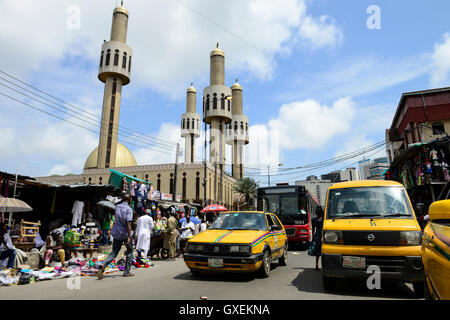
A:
[196,182]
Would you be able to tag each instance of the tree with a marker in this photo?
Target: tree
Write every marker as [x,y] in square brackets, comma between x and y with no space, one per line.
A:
[246,187]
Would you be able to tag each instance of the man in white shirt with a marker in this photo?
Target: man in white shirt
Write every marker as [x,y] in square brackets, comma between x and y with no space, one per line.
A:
[187,228]
[6,247]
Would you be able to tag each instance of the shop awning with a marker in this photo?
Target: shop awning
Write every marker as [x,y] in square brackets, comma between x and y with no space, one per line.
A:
[116,178]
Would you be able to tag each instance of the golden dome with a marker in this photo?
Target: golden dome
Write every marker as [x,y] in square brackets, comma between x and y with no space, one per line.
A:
[191,88]
[124,158]
[236,86]
[217,51]
[121,9]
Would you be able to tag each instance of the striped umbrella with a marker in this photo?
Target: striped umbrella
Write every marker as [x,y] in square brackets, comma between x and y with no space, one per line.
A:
[13,205]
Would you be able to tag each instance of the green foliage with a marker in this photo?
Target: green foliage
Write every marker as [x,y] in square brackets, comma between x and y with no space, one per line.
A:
[246,187]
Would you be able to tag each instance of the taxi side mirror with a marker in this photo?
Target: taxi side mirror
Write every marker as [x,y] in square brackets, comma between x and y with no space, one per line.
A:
[440,210]
[274,228]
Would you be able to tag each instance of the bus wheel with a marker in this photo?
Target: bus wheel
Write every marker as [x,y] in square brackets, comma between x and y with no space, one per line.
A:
[283,260]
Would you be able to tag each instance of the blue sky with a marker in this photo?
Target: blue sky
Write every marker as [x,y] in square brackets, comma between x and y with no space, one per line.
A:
[311,70]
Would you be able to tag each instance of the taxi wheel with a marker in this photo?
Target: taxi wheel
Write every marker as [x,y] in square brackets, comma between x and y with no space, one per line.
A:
[418,287]
[195,273]
[264,271]
[283,260]
[329,284]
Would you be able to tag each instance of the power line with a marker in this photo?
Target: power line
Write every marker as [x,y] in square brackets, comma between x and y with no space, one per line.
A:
[76,124]
[156,140]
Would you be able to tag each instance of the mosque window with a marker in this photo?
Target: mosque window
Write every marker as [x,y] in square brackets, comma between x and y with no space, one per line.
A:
[229,105]
[184,185]
[235,127]
[220,127]
[207,102]
[242,127]
[197,186]
[129,65]
[100,180]
[114,88]
[101,59]
[183,123]
[188,123]
[214,100]
[246,128]
[222,102]
[193,123]
[116,58]
[198,124]
[108,56]
[124,60]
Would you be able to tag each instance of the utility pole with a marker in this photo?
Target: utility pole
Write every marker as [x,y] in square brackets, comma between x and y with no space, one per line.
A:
[205,202]
[268,176]
[175,174]
[221,182]
[215,181]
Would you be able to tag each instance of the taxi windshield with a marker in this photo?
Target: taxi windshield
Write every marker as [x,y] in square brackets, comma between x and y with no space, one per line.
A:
[367,202]
[240,221]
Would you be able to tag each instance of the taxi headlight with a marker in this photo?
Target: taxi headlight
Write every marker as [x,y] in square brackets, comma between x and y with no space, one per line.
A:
[410,238]
[332,237]
[244,249]
[234,249]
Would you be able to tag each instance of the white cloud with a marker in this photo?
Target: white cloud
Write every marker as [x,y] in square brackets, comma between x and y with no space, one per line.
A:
[320,33]
[441,62]
[308,124]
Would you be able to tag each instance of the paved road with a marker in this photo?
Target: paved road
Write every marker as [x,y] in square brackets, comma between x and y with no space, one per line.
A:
[172,280]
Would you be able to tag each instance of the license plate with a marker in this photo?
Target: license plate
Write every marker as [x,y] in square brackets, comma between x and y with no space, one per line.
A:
[215,263]
[354,262]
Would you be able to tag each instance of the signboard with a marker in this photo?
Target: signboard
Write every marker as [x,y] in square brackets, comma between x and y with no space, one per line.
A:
[166,196]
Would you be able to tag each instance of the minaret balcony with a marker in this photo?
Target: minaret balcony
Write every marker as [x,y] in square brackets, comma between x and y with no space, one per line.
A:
[115,60]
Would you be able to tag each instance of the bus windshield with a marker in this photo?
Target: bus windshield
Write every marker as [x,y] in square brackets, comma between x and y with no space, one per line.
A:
[289,207]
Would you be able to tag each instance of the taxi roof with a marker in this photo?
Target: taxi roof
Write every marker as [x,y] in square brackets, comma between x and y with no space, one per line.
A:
[244,212]
[365,183]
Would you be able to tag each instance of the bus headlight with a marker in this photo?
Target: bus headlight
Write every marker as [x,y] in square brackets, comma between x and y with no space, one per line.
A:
[333,237]
[410,238]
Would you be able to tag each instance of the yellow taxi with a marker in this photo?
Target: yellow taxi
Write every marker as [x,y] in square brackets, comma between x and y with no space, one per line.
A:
[371,223]
[238,242]
[436,251]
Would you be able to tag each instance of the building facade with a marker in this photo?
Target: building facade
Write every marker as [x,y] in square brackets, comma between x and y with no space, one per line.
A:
[421,117]
[317,187]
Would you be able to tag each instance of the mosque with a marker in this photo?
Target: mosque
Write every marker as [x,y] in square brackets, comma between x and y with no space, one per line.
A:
[222,111]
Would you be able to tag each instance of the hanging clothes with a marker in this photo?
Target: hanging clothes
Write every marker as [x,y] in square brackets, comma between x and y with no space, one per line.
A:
[77,212]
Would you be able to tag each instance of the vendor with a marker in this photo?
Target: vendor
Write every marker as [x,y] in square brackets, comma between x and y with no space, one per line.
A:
[6,247]
[53,248]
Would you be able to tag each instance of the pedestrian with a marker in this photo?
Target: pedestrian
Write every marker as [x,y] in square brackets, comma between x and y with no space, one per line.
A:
[315,249]
[143,233]
[6,247]
[121,233]
[106,226]
[187,231]
[171,235]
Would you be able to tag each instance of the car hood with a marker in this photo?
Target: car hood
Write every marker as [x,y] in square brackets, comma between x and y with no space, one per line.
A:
[228,236]
[375,224]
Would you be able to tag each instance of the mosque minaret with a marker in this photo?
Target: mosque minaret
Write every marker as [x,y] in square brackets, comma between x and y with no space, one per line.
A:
[190,125]
[217,106]
[114,71]
[237,133]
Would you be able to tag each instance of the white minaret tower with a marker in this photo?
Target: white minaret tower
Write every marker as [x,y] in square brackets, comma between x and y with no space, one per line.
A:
[217,106]
[237,134]
[190,125]
[114,71]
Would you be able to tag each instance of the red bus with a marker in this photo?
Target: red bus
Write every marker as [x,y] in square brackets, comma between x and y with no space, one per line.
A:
[294,206]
